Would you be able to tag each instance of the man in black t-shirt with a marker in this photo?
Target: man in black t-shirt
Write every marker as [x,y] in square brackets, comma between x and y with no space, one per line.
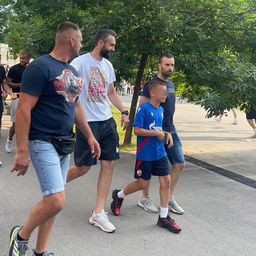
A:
[14,78]
[4,87]
[175,153]
[48,107]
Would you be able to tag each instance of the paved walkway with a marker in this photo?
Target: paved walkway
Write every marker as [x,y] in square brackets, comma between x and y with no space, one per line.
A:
[220,212]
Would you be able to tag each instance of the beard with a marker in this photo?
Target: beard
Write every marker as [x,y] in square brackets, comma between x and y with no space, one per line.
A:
[105,53]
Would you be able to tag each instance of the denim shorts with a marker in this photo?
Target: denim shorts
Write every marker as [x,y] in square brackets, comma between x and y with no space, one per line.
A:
[175,153]
[51,168]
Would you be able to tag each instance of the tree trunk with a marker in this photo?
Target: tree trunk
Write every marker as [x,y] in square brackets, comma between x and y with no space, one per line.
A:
[128,133]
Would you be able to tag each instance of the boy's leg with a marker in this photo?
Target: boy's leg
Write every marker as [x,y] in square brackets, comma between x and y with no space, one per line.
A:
[164,191]
[142,174]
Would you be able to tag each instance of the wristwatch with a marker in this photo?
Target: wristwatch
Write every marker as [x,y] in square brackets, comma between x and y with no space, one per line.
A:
[125,112]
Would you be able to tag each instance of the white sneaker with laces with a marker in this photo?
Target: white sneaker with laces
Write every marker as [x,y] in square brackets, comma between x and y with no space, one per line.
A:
[8,146]
[147,204]
[174,207]
[101,220]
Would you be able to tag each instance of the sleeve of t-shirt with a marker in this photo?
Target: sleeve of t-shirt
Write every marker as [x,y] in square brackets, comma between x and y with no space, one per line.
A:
[75,63]
[112,75]
[33,80]
[139,118]
[11,73]
[145,91]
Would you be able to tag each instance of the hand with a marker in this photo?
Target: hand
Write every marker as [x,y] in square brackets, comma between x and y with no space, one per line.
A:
[95,147]
[169,140]
[124,121]
[160,135]
[14,96]
[21,163]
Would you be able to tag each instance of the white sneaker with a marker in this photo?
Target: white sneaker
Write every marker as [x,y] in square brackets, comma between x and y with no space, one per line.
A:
[147,204]
[101,220]
[8,146]
[174,207]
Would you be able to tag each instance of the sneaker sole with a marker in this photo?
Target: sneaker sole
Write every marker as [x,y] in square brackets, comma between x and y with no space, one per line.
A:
[12,239]
[99,226]
[175,231]
[145,208]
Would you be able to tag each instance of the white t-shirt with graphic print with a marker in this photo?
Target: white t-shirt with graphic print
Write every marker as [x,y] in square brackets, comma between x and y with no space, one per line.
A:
[98,76]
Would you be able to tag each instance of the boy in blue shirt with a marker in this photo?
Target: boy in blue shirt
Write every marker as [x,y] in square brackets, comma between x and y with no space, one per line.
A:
[151,157]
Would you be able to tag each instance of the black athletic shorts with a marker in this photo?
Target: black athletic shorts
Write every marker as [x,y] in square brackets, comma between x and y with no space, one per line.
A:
[251,114]
[144,169]
[106,134]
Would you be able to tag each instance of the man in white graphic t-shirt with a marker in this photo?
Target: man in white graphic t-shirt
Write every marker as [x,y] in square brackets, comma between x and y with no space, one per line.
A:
[98,91]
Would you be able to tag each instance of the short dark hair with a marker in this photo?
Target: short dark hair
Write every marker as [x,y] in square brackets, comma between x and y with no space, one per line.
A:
[165,54]
[67,25]
[27,53]
[155,83]
[103,35]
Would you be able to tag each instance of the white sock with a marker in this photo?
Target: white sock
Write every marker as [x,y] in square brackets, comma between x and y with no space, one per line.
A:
[121,194]
[163,212]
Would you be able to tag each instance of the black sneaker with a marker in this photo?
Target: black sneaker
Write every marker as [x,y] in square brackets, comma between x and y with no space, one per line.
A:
[116,203]
[169,224]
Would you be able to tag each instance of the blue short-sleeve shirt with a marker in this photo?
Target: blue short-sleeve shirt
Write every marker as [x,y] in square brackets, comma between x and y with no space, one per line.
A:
[56,84]
[150,118]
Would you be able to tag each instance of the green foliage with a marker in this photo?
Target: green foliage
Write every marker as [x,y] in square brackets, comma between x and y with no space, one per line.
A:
[213,41]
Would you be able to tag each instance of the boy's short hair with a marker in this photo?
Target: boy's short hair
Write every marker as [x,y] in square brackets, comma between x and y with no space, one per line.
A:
[155,83]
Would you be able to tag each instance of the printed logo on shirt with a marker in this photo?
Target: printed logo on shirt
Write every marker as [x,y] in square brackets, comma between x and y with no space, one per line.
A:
[97,89]
[68,85]
[153,127]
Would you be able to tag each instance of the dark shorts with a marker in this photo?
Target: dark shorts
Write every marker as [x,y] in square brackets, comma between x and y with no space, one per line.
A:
[106,134]
[144,169]
[175,153]
[251,114]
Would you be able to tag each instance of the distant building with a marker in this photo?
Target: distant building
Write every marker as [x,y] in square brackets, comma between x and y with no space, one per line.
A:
[6,58]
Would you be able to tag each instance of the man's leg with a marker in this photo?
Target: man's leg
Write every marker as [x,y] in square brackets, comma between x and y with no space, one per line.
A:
[252,123]
[175,175]
[76,172]
[104,182]
[40,214]
[11,132]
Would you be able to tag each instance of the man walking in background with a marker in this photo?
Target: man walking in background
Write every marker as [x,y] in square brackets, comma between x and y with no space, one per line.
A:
[175,153]
[14,78]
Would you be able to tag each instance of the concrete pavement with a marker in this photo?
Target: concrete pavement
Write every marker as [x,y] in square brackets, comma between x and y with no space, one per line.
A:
[220,212]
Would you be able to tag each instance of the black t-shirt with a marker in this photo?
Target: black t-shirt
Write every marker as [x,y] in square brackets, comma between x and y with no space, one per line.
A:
[168,105]
[15,73]
[2,77]
[56,84]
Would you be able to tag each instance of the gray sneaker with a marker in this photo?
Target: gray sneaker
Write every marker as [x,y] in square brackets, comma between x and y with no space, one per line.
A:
[174,207]
[45,253]
[147,204]
[17,248]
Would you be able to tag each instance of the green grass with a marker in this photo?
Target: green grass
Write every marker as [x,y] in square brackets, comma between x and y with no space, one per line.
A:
[127,148]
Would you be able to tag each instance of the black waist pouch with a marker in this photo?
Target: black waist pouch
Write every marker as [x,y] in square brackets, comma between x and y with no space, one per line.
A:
[64,145]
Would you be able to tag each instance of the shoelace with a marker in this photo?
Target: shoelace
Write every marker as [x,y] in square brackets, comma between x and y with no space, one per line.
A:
[23,247]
